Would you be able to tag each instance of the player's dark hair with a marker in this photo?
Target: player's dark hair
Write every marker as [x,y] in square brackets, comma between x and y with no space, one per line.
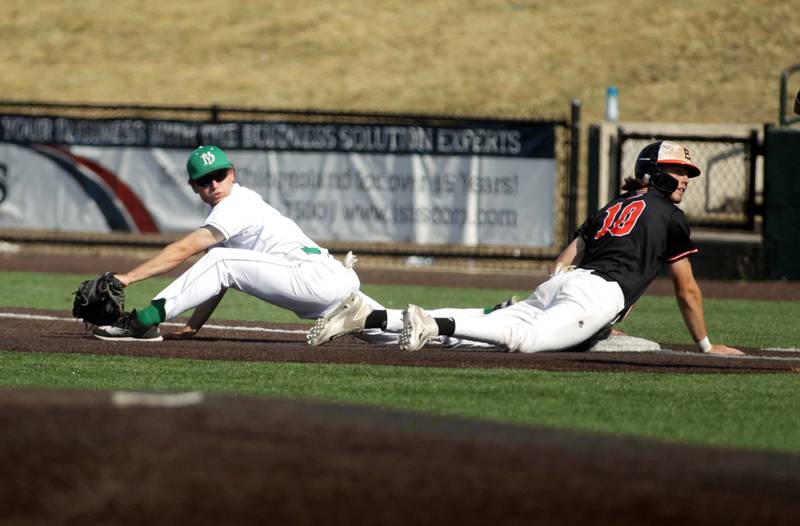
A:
[633,184]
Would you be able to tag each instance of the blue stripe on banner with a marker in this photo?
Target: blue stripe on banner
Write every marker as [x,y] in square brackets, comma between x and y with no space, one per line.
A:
[114,217]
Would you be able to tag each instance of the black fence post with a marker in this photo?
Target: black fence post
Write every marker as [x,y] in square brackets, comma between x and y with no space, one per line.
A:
[574,154]
[618,168]
[750,206]
[593,169]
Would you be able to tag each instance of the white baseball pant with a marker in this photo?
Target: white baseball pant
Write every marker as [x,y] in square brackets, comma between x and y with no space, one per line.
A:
[562,312]
[309,285]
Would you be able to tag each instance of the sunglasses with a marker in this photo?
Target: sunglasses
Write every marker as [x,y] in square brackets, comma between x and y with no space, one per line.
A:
[217,176]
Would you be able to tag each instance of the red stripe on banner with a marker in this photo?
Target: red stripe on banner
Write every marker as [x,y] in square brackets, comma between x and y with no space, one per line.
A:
[138,212]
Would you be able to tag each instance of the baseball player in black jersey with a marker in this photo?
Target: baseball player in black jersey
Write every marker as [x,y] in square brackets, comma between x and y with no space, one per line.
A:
[615,255]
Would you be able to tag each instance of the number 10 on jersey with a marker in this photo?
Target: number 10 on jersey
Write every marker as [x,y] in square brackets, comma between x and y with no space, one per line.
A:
[619,223]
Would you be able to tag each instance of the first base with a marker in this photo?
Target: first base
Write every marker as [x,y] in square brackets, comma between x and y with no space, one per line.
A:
[625,344]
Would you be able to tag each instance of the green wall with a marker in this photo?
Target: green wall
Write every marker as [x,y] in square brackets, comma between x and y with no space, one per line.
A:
[782,201]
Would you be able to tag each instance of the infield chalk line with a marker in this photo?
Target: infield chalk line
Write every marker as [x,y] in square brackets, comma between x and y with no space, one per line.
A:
[168,324]
[745,357]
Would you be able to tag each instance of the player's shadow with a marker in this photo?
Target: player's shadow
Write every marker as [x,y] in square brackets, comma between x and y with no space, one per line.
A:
[692,367]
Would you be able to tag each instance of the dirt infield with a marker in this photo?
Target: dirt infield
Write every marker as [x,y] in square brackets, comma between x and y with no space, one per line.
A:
[76,458]
[53,331]
[79,458]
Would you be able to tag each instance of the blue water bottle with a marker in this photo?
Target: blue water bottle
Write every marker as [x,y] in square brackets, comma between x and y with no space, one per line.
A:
[612,104]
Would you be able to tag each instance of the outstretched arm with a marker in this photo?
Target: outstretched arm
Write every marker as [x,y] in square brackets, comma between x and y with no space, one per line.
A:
[173,255]
[199,317]
[690,303]
[571,255]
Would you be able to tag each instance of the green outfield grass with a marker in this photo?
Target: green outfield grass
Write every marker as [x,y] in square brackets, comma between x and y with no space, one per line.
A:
[749,411]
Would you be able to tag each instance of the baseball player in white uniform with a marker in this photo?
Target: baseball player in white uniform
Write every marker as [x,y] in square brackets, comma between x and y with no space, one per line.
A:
[251,247]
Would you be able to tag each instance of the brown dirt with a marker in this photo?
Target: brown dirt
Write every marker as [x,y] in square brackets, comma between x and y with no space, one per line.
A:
[75,458]
[67,336]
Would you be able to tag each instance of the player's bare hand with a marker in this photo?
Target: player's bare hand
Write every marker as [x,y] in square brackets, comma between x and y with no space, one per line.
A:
[724,350]
[184,333]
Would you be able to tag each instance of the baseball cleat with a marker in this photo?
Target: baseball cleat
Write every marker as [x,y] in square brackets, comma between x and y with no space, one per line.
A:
[127,329]
[419,328]
[349,316]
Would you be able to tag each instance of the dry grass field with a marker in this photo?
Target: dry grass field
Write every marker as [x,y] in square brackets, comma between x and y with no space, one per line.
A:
[708,61]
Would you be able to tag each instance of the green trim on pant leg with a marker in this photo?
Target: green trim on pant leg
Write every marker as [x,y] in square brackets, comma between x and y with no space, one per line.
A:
[153,314]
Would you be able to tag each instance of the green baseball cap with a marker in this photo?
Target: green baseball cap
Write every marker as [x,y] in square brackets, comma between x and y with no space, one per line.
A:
[206,159]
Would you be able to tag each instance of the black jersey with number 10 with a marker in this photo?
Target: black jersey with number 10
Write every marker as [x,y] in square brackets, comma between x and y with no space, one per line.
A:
[630,239]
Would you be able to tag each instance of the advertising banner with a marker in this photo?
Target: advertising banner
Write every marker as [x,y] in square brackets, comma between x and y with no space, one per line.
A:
[487,183]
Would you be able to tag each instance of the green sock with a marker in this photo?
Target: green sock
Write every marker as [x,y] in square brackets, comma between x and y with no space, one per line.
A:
[153,314]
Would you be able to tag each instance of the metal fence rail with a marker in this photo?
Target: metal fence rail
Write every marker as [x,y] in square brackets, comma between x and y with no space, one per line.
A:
[218,113]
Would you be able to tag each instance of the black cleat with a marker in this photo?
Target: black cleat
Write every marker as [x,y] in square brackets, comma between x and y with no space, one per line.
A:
[128,329]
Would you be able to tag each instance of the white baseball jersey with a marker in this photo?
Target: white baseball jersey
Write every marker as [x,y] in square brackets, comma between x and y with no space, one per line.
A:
[247,222]
[266,255]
